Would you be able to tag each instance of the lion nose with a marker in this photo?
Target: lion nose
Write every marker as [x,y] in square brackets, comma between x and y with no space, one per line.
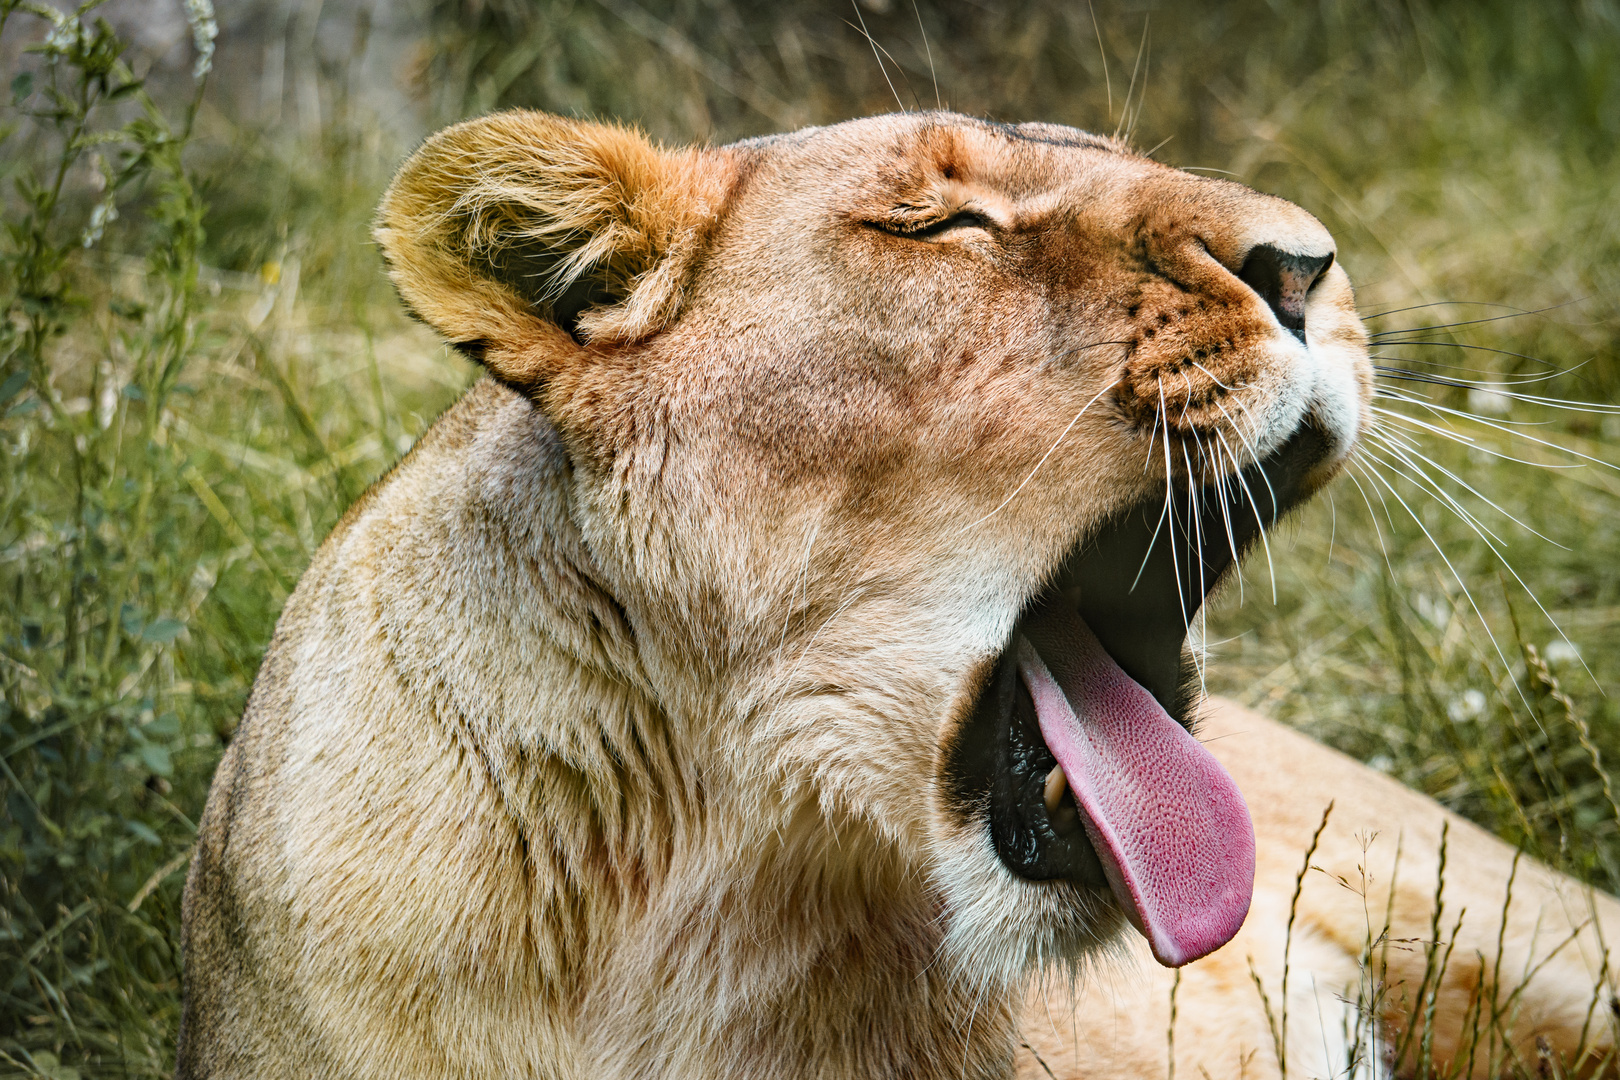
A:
[1282,279]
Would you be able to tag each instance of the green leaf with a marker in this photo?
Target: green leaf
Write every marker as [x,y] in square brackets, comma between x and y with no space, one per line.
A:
[162,631]
[13,385]
[22,86]
[144,831]
[155,756]
[166,726]
[48,1065]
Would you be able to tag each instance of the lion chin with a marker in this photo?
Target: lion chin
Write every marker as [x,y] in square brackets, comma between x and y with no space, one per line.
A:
[778,665]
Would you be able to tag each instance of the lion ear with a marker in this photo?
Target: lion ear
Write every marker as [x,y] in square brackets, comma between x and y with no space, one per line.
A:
[506,232]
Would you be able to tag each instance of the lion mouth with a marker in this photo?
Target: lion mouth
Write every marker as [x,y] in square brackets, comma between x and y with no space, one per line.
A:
[1079,751]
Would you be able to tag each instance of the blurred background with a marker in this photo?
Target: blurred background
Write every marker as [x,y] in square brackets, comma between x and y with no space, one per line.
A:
[201,366]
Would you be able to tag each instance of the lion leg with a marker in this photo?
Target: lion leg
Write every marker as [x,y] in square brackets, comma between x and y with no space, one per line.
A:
[1370,985]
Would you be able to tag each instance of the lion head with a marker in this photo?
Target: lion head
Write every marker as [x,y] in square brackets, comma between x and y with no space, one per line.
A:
[908,449]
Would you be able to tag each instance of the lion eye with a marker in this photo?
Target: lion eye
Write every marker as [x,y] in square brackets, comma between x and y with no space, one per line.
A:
[930,230]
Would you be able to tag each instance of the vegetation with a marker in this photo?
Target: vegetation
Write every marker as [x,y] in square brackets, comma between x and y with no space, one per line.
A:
[201,366]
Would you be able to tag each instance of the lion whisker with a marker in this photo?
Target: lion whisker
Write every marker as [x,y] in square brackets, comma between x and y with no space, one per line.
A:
[1406,363]
[1154,539]
[1224,493]
[1166,513]
[1486,535]
[1187,401]
[1371,460]
[1463,439]
[1260,524]
[1237,429]
[1415,459]
[1196,551]
[1211,375]
[1153,436]
[1513,312]
[881,66]
[1429,485]
[1254,456]
[1241,404]
[1406,367]
[1562,404]
[1356,463]
[1259,518]
[1191,527]
[1453,434]
[1127,122]
[1333,525]
[932,74]
[1051,449]
[1467,519]
[1462,345]
[1446,409]
[1169,494]
[1202,452]
[1392,439]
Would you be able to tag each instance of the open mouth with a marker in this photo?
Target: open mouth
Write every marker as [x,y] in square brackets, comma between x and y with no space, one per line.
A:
[1078,750]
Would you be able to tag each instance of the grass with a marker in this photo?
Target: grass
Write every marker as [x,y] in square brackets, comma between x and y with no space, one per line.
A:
[201,366]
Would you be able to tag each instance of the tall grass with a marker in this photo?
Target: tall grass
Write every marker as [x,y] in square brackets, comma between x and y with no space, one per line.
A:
[177,438]
[200,367]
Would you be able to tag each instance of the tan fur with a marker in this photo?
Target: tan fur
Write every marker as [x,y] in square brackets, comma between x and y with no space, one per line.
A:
[605,736]
[596,197]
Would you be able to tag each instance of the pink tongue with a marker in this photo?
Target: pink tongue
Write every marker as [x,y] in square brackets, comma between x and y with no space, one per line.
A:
[1168,823]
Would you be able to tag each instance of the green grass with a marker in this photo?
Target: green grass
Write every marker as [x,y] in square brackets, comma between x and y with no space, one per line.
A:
[192,399]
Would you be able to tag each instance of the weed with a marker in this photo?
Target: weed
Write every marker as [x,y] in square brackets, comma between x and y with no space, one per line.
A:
[171,460]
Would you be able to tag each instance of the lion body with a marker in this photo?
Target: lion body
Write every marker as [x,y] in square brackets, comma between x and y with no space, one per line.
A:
[447,898]
[608,735]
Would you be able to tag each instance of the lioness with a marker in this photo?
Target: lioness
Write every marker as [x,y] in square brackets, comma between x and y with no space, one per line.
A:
[781,655]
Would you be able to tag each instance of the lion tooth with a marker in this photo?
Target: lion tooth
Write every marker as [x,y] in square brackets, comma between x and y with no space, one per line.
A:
[1056,784]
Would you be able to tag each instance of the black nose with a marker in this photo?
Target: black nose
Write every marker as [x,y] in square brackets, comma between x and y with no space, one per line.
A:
[1282,279]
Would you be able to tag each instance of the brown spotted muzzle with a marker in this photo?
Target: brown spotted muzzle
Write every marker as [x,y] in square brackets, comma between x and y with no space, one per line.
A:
[1208,364]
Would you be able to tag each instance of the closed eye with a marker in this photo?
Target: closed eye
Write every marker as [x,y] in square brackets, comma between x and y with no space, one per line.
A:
[932,230]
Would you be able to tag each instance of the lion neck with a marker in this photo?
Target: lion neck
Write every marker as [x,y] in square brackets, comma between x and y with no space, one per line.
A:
[800,936]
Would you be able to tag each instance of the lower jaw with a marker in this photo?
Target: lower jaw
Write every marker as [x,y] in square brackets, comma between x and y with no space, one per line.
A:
[1034,842]
[1138,594]
[999,763]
